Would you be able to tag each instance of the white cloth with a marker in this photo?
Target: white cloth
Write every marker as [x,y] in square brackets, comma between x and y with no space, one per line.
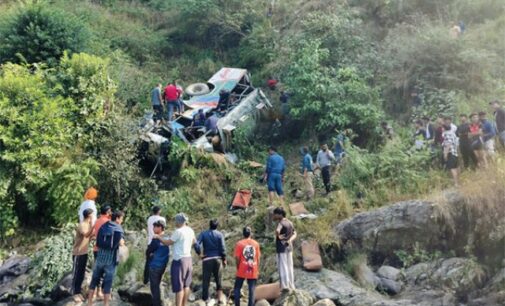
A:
[324,158]
[183,239]
[285,266]
[88,204]
[150,231]
[490,146]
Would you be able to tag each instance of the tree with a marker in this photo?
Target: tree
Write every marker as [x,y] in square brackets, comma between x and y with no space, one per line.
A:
[41,34]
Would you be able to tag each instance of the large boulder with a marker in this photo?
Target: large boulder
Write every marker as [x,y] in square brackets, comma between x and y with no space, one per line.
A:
[340,288]
[295,298]
[13,278]
[325,302]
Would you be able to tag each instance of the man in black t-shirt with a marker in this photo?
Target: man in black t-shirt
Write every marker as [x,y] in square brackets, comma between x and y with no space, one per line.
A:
[285,234]
[465,144]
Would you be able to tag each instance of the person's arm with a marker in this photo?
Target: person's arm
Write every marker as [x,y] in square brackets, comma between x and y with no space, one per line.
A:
[267,169]
[168,241]
[330,155]
[89,233]
[151,248]
[222,250]
[197,246]
[318,159]
[278,231]
[292,238]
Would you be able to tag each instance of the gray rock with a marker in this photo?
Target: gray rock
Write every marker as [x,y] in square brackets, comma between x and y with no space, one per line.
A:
[295,298]
[340,288]
[262,303]
[389,286]
[14,267]
[366,277]
[389,273]
[13,289]
[325,302]
[138,294]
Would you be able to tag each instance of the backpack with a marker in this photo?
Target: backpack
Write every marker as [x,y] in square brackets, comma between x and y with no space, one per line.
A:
[106,238]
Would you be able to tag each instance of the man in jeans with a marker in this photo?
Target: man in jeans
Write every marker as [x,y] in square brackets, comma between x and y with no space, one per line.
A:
[172,96]
[307,173]
[488,134]
[274,175]
[247,258]
[324,158]
[83,233]
[285,234]
[181,270]
[213,258]
[158,260]
[110,238]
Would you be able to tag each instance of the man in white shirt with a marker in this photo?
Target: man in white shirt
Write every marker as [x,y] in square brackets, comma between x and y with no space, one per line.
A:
[89,203]
[181,271]
[324,158]
[155,217]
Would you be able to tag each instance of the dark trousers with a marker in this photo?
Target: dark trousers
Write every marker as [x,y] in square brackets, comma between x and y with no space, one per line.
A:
[155,276]
[211,268]
[146,271]
[79,270]
[469,158]
[325,172]
[251,283]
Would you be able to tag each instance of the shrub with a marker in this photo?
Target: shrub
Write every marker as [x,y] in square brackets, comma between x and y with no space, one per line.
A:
[38,33]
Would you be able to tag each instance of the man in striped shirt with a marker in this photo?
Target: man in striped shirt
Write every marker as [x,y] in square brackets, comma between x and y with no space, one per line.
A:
[450,150]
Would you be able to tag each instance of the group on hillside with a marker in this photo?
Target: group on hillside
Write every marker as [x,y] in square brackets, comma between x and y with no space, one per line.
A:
[473,139]
[107,233]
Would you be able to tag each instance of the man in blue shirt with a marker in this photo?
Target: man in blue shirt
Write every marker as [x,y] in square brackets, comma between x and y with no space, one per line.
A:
[307,172]
[213,259]
[488,134]
[156,102]
[158,260]
[274,175]
[211,125]
[107,257]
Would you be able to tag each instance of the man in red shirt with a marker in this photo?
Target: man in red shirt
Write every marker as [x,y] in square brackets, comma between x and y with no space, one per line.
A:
[247,257]
[172,95]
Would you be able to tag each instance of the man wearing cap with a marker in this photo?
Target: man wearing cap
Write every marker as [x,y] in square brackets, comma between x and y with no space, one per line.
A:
[155,217]
[213,258]
[89,203]
[499,114]
[181,270]
[158,255]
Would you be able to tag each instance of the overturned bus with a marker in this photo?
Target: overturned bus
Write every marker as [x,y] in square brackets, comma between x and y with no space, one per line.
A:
[243,107]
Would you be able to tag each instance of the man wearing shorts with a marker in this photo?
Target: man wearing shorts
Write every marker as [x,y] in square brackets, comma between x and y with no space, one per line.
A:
[274,175]
[181,270]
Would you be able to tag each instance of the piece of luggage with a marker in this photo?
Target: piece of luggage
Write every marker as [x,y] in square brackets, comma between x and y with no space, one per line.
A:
[242,199]
[269,292]
[311,256]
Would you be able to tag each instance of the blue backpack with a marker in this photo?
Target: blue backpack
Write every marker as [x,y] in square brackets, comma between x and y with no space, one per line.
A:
[106,238]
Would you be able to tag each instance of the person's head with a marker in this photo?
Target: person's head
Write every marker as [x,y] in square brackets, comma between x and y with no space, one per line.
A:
[495,104]
[86,214]
[180,220]
[324,147]
[246,232]
[158,85]
[440,121]
[305,150]
[117,217]
[282,92]
[213,224]
[200,111]
[474,117]
[279,214]
[447,127]
[91,194]
[426,119]
[384,124]
[106,210]
[159,227]
[272,150]
[418,124]
[447,121]
[174,82]
[482,115]
[156,210]
[463,118]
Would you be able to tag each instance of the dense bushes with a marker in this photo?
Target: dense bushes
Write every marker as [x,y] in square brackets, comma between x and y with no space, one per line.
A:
[41,34]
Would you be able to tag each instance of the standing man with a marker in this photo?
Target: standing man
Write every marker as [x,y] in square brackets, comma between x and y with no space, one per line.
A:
[89,203]
[339,145]
[157,102]
[213,259]
[465,145]
[488,134]
[429,128]
[307,173]
[172,95]
[181,271]
[450,152]
[324,158]
[158,260]
[285,234]
[475,135]
[499,114]
[155,217]
[105,216]
[110,238]
[83,234]
[274,175]
[247,258]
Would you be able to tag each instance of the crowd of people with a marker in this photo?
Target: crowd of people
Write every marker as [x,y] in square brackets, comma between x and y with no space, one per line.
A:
[473,139]
[107,235]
